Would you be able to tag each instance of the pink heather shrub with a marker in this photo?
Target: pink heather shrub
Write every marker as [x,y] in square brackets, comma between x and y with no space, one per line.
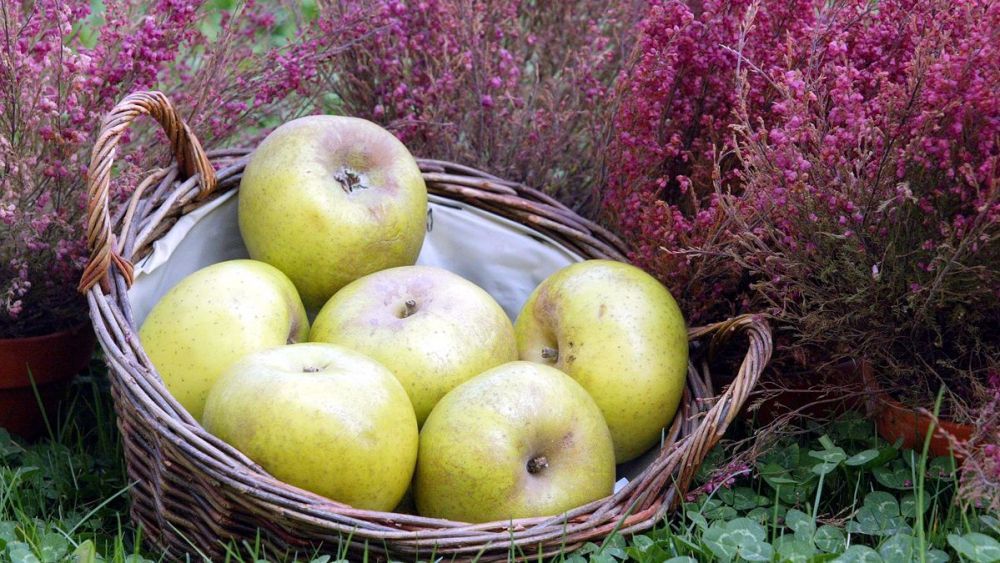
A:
[833,164]
[62,68]
[979,481]
[721,478]
[672,129]
[868,212]
[518,88]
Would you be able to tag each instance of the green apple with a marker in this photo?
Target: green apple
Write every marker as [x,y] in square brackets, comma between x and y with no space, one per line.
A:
[322,418]
[618,332]
[518,440]
[433,329]
[214,317]
[328,199]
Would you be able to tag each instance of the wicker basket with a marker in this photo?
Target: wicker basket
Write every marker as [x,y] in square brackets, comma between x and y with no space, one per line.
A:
[195,494]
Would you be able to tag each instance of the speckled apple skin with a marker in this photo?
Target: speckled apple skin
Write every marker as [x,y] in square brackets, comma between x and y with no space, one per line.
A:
[477,442]
[214,317]
[296,215]
[621,335]
[455,331]
[346,431]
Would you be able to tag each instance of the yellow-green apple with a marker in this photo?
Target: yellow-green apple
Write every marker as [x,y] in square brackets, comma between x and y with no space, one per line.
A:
[618,332]
[433,329]
[327,199]
[320,417]
[519,440]
[214,317]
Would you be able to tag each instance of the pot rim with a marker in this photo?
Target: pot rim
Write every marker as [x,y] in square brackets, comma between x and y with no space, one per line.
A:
[48,336]
[47,358]
[885,400]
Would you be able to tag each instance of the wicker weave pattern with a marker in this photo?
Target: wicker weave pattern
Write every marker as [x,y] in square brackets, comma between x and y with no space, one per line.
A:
[193,492]
[191,161]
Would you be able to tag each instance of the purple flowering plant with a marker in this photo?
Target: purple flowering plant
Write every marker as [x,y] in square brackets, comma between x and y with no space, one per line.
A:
[979,480]
[63,66]
[518,88]
[834,164]
[672,135]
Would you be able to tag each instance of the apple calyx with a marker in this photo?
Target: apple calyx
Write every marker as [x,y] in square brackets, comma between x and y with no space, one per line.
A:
[349,180]
[409,308]
[550,354]
[537,464]
[310,369]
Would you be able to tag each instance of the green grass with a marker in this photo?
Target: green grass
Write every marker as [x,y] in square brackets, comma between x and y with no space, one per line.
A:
[835,492]
[65,496]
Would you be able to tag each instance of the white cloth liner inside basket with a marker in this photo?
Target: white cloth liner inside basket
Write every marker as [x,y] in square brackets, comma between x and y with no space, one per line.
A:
[505,258]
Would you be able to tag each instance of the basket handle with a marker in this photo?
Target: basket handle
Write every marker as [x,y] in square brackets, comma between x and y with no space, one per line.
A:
[722,413]
[191,161]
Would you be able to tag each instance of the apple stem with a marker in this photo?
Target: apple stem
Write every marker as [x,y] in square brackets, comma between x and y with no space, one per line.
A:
[409,308]
[550,354]
[536,464]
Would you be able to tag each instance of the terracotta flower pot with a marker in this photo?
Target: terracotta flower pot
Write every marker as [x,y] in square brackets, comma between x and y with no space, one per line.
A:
[815,395]
[895,421]
[51,361]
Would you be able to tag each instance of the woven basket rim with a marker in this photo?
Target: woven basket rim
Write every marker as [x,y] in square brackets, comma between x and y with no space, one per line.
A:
[293,517]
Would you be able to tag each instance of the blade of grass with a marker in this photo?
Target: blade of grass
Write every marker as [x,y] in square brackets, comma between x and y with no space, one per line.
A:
[921,475]
[103,503]
[618,526]
[41,406]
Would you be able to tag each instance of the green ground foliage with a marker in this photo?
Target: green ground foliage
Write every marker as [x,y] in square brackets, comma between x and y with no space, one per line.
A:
[833,492]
